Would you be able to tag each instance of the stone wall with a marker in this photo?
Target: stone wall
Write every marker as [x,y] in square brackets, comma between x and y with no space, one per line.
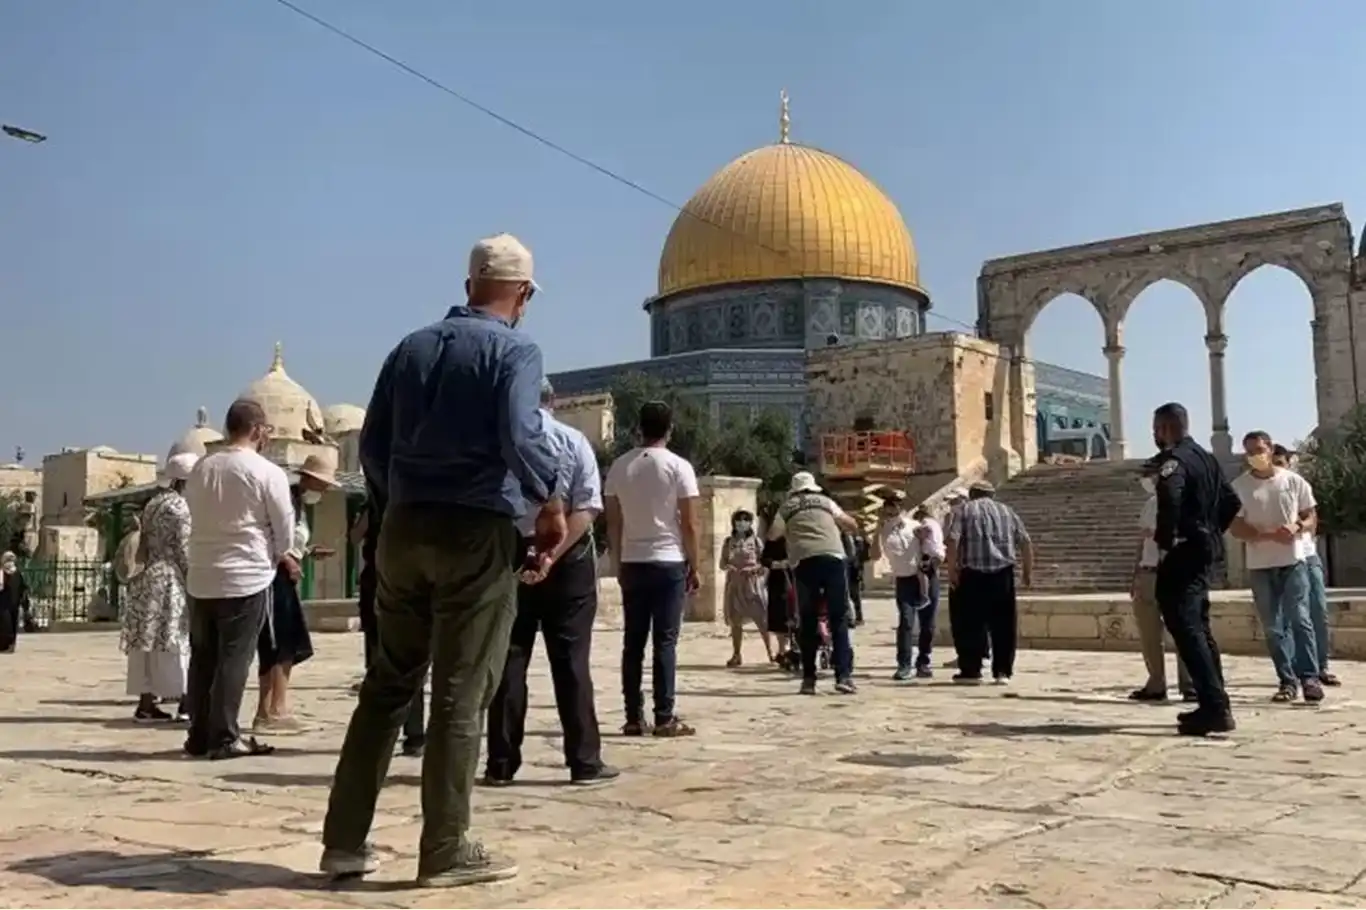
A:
[591,415]
[721,496]
[70,476]
[948,391]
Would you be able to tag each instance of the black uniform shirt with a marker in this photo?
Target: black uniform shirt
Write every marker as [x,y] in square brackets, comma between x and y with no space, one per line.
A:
[1195,502]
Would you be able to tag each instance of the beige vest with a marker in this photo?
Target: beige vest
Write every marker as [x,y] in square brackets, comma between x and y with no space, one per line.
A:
[810,529]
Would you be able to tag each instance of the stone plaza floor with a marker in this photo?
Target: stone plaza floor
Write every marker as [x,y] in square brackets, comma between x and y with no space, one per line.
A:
[1054,793]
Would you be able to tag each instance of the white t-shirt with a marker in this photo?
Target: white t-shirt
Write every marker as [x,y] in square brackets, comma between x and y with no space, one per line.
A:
[933,543]
[1147,523]
[1272,503]
[648,482]
[241,523]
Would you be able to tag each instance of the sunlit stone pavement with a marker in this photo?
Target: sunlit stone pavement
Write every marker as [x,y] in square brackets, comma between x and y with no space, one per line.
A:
[1056,792]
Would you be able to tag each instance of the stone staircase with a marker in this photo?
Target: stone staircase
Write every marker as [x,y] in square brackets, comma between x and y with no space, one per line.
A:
[1083,521]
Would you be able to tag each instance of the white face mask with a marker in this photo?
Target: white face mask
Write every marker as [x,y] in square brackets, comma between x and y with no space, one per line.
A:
[311,497]
[1149,485]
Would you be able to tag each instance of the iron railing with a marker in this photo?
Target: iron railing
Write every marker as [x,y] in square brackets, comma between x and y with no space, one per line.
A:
[69,590]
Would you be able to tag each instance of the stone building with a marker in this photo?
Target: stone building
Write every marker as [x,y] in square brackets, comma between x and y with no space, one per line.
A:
[786,250]
[72,475]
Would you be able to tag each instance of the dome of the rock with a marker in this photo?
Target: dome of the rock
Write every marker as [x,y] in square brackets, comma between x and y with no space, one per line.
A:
[343,418]
[289,408]
[197,438]
[787,211]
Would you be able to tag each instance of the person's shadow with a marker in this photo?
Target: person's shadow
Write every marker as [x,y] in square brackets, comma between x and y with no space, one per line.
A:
[176,872]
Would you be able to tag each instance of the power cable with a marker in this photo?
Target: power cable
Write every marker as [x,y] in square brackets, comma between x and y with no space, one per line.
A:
[543,140]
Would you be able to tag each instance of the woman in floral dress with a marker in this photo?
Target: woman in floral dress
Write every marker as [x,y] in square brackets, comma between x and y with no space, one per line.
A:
[745,597]
[156,623]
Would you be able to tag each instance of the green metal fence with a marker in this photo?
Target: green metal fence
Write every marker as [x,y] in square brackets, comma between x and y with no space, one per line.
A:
[68,590]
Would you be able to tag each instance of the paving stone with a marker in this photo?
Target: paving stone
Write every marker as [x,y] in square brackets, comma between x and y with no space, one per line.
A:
[1056,792]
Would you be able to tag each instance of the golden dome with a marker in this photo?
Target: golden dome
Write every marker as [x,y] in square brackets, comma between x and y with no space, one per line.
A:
[288,406]
[343,418]
[787,211]
[197,438]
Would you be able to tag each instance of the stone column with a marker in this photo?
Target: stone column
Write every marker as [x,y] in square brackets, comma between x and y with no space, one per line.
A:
[1221,442]
[1119,448]
[720,496]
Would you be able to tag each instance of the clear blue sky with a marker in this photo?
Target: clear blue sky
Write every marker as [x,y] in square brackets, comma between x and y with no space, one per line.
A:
[222,174]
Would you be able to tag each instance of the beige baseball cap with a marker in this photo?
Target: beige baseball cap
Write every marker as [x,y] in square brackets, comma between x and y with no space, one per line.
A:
[502,257]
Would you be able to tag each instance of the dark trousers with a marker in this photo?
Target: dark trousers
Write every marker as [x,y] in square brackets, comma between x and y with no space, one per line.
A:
[223,638]
[823,578]
[915,606]
[414,725]
[562,608]
[1183,597]
[856,589]
[446,600]
[652,596]
[984,615]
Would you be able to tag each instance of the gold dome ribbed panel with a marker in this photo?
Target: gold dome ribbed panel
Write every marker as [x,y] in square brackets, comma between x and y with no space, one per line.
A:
[787,211]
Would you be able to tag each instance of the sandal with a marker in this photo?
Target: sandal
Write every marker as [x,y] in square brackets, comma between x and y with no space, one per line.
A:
[241,748]
[1328,679]
[673,727]
[634,728]
[1285,694]
[733,663]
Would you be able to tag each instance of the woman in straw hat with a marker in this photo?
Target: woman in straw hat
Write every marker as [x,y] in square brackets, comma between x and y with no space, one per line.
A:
[285,641]
[155,616]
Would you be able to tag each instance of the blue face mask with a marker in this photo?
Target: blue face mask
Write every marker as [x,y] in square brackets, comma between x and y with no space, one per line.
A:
[743,527]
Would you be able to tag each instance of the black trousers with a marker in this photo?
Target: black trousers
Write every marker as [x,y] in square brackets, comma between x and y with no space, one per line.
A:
[415,724]
[562,608]
[983,614]
[856,589]
[223,638]
[1183,597]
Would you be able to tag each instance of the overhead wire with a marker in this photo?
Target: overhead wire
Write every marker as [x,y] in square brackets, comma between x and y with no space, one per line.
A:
[543,140]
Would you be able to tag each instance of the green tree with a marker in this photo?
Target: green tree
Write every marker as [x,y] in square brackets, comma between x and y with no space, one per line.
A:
[11,519]
[1335,463]
[759,448]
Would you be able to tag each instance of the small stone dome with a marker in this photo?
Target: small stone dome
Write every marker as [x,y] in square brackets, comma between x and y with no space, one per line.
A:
[343,418]
[288,406]
[197,438]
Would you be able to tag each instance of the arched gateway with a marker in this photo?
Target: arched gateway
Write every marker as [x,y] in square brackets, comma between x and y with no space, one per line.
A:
[1210,260]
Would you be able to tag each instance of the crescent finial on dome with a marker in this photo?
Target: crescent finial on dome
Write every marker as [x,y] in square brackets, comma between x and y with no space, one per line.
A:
[278,364]
[201,417]
[784,119]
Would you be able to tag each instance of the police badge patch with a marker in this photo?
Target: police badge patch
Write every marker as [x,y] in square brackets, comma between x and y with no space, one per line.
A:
[1168,467]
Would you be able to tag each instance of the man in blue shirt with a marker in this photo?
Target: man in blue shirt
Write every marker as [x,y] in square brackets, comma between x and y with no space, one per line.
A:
[455,449]
[562,603]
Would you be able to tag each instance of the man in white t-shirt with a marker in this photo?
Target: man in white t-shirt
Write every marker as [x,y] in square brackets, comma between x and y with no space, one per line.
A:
[651,498]
[1282,457]
[1278,509]
[241,529]
[1143,593]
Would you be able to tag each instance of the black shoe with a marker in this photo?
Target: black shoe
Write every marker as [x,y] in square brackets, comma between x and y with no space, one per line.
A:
[1201,724]
[963,679]
[152,715]
[846,687]
[413,748]
[194,750]
[492,780]
[1146,694]
[1189,696]
[808,687]
[602,774]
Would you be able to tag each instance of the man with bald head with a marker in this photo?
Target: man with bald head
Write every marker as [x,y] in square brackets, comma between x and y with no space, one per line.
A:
[455,450]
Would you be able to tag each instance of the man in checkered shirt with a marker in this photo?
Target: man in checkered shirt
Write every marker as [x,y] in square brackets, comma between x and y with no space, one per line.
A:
[986,540]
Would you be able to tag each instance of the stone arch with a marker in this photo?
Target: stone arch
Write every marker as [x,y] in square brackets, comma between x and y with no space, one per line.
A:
[1210,259]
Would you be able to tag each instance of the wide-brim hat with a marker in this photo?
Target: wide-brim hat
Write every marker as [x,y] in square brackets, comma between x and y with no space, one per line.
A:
[804,482]
[319,469]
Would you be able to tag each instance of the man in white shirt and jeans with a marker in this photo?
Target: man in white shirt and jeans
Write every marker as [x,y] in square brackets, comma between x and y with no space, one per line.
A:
[242,528]
[1278,510]
[651,497]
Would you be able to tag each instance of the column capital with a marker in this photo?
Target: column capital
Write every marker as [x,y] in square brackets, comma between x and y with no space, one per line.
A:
[1113,351]
[1216,343]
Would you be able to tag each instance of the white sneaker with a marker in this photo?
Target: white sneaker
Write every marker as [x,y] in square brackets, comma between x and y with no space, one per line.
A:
[1000,681]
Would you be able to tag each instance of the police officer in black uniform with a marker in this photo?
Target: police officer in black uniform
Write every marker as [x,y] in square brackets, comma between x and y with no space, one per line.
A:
[1195,506]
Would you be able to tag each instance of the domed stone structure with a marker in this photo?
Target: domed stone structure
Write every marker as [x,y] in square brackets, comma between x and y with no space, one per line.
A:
[293,413]
[339,419]
[197,438]
[785,249]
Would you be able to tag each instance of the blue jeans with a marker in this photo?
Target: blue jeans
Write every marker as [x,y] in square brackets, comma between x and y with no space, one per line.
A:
[652,596]
[1282,598]
[913,604]
[1318,609]
[824,577]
